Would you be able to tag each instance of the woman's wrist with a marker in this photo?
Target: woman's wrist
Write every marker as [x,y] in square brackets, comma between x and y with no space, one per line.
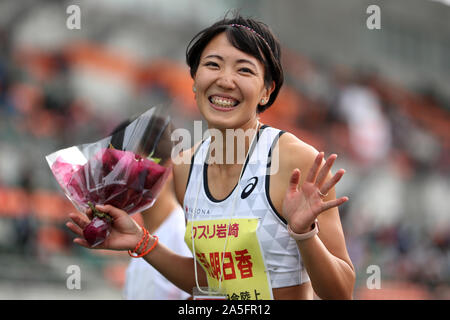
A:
[300,229]
[138,238]
[300,236]
[145,245]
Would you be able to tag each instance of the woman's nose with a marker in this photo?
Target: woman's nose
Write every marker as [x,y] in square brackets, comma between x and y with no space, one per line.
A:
[226,80]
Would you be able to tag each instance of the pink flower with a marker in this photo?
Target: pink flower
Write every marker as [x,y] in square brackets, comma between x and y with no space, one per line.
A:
[63,171]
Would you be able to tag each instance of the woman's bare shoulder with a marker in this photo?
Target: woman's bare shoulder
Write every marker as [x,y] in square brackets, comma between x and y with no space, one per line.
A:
[295,153]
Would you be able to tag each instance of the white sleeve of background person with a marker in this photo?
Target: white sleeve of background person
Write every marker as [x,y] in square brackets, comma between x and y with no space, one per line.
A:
[143,282]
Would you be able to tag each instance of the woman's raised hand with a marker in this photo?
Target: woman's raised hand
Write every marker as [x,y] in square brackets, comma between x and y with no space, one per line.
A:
[125,232]
[302,206]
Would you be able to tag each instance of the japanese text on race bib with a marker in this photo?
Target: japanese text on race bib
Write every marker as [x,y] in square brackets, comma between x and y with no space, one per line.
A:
[244,272]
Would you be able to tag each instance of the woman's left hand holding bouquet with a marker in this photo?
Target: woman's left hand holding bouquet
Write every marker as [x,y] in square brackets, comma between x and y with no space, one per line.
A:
[125,231]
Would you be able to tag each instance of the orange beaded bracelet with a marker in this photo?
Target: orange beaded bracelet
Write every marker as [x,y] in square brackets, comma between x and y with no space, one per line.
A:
[142,239]
[146,238]
[149,250]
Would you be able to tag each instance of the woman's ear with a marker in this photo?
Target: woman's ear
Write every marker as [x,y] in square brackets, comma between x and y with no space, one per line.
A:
[267,92]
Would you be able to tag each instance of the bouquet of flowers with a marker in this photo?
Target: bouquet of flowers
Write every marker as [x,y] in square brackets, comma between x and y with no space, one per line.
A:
[126,170]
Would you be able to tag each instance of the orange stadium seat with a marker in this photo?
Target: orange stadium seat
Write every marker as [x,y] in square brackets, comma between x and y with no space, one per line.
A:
[93,56]
[51,238]
[50,206]
[14,202]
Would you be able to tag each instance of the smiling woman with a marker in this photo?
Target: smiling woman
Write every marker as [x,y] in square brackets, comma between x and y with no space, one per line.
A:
[253,229]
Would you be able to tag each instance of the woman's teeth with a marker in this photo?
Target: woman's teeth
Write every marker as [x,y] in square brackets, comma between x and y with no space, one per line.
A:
[223,102]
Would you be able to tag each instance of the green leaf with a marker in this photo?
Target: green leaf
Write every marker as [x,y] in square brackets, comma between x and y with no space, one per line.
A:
[155,160]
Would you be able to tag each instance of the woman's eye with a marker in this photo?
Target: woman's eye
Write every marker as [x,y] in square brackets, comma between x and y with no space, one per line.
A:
[246,70]
[211,64]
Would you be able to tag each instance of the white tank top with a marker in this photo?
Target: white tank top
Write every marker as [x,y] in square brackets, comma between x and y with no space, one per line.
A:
[281,256]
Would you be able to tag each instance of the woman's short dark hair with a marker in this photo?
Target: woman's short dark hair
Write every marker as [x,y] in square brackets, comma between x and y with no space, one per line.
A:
[247,35]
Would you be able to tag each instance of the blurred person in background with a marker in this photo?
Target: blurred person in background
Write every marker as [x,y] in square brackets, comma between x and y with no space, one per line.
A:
[369,128]
[237,74]
[166,219]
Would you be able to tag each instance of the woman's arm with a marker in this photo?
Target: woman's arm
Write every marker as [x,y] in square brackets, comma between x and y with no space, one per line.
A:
[331,277]
[177,269]
[126,233]
[324,255]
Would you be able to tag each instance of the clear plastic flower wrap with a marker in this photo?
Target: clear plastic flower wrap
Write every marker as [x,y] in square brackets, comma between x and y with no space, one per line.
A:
[126,170]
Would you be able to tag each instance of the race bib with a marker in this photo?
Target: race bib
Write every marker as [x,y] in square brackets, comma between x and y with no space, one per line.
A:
[244,273]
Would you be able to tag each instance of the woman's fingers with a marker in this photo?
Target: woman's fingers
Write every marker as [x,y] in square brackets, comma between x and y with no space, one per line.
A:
[82,242]
[80,239]
[328,185]
[74,228]
[323,173]
[114,212]
[312,174]
[89,214]
[295,179]
[333,203]
[79,219]
[84,219]
[78,223]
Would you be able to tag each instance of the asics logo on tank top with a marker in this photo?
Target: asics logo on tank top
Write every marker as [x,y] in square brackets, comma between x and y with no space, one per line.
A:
[250,187]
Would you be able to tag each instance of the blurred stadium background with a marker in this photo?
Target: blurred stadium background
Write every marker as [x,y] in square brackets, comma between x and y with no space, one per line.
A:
[378,98]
